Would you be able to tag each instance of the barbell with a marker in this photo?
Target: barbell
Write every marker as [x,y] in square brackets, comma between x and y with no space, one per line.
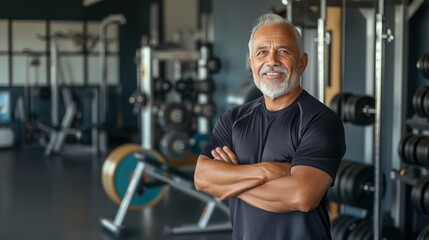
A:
[357,109]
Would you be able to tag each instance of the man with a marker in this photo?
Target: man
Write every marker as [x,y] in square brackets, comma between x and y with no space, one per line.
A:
[275,157]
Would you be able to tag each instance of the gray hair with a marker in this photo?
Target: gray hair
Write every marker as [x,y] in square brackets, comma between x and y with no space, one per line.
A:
[273,19]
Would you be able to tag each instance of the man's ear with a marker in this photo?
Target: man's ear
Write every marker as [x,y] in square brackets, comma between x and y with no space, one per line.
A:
[303,62]
[249,61]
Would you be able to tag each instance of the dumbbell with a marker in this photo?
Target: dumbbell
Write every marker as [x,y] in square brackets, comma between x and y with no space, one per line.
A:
[207,110]
[162,86]
[354,185]
[187,86]
[414,149]
[138,100]
[213,65]
[173,116]
[357,109]
[423,65]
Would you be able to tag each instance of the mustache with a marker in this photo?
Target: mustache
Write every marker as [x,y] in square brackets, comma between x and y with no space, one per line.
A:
[266,69]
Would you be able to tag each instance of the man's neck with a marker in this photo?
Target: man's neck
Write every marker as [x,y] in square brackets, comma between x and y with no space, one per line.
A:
[282,101]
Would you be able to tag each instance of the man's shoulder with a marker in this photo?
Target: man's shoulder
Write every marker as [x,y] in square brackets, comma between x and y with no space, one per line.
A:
[245,108]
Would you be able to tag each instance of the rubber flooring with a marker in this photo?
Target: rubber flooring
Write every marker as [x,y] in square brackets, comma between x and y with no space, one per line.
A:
[62,197]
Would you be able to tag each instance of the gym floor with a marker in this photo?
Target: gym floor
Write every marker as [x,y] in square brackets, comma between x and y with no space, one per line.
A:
[61,197]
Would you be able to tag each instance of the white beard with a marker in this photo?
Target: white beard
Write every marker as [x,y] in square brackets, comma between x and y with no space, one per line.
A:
[273,90]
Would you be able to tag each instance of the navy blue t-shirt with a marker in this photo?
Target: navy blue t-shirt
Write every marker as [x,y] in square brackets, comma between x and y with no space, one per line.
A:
[305,133]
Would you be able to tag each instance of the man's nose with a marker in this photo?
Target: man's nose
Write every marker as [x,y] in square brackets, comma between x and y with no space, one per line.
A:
[273,59]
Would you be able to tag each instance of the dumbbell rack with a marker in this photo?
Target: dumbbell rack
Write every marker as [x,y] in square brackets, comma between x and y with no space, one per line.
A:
[149,70]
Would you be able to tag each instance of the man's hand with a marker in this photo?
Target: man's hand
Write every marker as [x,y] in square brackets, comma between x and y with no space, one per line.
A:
[272,170]
[225,154]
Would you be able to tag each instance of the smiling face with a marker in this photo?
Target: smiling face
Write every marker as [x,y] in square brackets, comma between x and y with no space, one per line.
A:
[276,61]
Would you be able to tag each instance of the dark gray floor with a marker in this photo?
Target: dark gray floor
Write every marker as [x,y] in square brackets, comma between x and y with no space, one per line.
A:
[62,198]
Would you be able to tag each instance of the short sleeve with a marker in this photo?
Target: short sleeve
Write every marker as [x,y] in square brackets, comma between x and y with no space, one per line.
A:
[221,134]
[322,145]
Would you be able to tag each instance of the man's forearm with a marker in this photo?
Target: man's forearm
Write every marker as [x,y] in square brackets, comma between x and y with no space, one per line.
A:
[302,190]
[223,180]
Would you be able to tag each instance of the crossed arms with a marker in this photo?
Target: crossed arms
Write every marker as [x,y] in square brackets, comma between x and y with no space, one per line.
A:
[271,186]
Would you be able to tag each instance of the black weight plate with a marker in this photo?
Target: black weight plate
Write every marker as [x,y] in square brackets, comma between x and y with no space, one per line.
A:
[414,146]
[348,109]
[417,100]
[423,65]
[175,145]
[423,233]
[409,152]
[207,110]
[347,225]
[422,151]
[174,116]
[357,195]
[425,200]
[162,86]
[337,226]
[401,146]
[425,157]
[344,183]
[334,191]
[417,194]
[204,86]
[359,117]
[213,64]
[337,104]
[425,104]
[360,230]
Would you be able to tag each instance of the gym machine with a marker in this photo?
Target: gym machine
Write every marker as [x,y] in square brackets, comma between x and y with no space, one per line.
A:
[136,178]
[58,129]
[6,134]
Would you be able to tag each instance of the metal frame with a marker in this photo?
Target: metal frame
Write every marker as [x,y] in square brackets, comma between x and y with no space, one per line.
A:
[104,91]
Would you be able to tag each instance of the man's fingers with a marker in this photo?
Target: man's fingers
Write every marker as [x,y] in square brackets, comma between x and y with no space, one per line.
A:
[231,155]
[216,155]
[222,154]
